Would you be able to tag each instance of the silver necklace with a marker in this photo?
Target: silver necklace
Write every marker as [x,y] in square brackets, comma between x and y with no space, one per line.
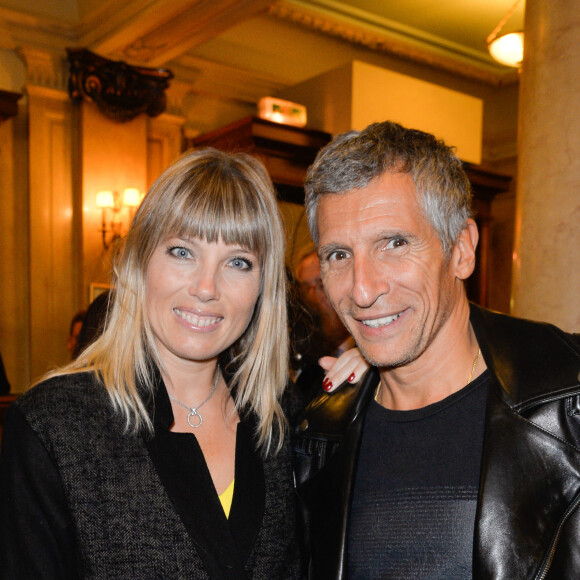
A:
[194,411]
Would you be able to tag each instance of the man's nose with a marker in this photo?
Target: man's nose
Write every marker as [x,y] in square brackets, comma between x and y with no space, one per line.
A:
[369,281]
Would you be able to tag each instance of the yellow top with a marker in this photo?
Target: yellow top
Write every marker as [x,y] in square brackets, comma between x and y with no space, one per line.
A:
[226,498]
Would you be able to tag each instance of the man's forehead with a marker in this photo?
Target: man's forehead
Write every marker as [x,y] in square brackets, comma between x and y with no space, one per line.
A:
[385,194]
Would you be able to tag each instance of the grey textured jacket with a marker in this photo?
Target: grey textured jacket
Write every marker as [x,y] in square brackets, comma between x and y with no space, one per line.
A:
[528,514]
[80,499]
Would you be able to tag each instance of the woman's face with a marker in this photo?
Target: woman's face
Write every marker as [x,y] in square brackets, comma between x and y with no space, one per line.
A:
[200,297]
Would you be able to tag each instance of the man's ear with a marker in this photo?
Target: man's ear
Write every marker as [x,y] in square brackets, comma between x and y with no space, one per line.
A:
[463,254]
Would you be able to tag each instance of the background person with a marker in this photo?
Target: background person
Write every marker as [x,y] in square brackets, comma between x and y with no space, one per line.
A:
[457,456]
[94,321]
[74,330]
[323,333]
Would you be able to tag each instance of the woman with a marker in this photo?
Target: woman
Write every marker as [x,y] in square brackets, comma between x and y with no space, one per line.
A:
[161,452]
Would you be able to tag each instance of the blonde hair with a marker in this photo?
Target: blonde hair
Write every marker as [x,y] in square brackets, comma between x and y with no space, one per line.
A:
[211,195]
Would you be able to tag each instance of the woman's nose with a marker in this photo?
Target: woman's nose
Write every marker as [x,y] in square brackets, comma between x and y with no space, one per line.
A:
[204,283]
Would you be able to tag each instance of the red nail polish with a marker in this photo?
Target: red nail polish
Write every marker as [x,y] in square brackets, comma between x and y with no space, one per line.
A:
[325,382]
[327,386]
[351,378]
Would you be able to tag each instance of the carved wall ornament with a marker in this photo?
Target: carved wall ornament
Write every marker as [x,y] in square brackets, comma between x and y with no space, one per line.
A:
[121,91]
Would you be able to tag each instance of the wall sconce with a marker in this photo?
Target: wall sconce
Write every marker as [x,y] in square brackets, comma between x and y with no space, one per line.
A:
[507,49]
[112,200]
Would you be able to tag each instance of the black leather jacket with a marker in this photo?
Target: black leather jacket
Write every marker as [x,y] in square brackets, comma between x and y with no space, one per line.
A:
[527,519]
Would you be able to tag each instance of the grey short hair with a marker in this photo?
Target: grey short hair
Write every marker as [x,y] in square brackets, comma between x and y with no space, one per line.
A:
[353,159]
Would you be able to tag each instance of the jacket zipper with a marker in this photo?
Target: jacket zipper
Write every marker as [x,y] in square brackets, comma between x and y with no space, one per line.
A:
[545,568]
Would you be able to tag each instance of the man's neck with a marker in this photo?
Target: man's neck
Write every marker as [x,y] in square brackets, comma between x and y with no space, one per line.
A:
[444,367]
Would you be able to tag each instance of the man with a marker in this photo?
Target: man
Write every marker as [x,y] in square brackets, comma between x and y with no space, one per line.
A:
[458,455]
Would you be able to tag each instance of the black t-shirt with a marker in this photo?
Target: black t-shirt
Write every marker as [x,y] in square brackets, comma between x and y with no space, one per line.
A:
[413,511]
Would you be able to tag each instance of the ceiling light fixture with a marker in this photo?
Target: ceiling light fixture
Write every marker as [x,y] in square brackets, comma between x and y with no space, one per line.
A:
[507,49]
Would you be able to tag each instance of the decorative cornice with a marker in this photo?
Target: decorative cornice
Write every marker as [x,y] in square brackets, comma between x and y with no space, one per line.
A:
[44,68]
[122,92]
[400,44]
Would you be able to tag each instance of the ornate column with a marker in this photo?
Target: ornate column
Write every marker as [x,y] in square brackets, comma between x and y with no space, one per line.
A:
[546,276]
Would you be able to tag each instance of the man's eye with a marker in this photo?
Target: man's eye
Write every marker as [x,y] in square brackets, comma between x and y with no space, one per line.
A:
[396,243]
[338,256]
[180,252]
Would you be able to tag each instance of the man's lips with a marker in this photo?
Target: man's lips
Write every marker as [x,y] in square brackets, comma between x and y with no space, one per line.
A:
[382,321]
[201,321]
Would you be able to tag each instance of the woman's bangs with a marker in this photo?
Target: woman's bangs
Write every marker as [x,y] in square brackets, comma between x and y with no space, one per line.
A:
[232,214]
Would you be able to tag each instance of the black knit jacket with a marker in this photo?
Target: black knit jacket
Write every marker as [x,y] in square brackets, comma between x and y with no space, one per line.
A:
[82,499]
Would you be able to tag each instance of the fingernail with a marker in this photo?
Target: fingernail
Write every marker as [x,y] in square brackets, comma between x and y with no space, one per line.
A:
[327,385]
[351,378]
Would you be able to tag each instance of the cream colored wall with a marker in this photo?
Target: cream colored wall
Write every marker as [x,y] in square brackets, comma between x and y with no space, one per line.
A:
[14,252]
[380,94]
[357,94]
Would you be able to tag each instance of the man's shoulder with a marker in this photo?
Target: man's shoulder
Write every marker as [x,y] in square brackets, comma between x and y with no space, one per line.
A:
[530,359]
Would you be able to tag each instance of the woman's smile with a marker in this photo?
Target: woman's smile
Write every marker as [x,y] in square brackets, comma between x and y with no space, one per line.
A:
[202,321]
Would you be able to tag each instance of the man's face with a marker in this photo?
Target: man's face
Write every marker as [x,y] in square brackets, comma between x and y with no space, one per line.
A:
[71,341]
[384,269]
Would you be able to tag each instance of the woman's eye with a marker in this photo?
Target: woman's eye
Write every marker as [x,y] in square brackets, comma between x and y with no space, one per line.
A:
[241,263]
[179,252]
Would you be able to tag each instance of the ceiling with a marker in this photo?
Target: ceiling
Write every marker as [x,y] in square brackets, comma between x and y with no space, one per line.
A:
[243,49]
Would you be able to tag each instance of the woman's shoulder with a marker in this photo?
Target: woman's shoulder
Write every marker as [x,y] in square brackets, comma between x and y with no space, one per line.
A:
[64,392]
[69,410]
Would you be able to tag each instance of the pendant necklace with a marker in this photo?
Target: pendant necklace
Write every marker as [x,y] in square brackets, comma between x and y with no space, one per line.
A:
[474,365]
[194,411]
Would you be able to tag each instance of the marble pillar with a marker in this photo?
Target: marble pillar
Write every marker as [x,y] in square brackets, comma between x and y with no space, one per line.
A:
[546,276]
